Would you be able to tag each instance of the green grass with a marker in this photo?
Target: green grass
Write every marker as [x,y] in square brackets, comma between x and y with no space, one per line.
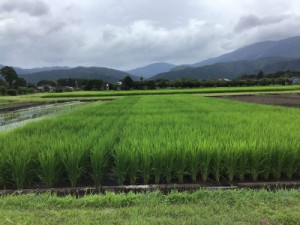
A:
[154,139]
[200,207]
[173,91]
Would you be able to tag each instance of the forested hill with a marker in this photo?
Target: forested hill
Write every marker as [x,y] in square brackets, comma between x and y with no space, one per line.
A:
[286,48]
[105,74]
[232,70]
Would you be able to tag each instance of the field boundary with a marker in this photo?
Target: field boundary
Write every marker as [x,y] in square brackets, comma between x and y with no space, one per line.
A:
[164,188]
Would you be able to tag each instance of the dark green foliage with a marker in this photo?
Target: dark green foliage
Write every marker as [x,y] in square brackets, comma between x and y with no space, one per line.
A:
[9,74]
[20,82]
[48,82]
[11,92]
[99,73]
[127,82]
[3,90]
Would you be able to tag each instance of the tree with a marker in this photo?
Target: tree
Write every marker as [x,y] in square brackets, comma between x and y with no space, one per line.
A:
[20,82]
[9,75]
[127,82]
[2,83]
[47,82]
[260,75]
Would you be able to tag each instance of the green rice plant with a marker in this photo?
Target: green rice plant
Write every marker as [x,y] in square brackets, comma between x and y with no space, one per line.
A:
[19,163]
[169,163]
[266,152]
[158,165]
[133,166]
[217,164]
[2,170]
[193,161]
[277,159]
[291,162]
[231,156]
[255,158]
[242,160]
[180,161]
[121,164]
[163,137]
[145,162]
[73,156]
[205,163]
[99,157]
[50,167]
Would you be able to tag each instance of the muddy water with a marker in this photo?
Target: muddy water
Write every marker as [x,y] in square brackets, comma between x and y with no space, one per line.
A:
[12,119]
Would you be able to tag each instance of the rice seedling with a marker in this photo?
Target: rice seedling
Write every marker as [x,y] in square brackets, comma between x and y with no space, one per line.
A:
[73,157]
[50,167]
[145,162]
[19,164]
[158,165]
[193,161]
[2,170]
[180,160]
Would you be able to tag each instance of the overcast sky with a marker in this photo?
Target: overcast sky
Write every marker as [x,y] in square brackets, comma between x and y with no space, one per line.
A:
[124,34]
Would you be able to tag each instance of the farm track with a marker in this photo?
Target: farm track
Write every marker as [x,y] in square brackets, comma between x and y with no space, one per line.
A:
[25,105]
[164,188]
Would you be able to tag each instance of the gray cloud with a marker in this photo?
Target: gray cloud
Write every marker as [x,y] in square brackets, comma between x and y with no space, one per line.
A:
[125,34]
[32,7]
[252,21]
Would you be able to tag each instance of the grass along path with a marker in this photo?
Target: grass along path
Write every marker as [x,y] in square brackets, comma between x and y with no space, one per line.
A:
[200,207]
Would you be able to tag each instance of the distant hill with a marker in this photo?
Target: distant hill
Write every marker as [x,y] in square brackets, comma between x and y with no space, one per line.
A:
[151,70]
[181,67]
[105,74]
[36,70]
[232,70]
[286,48]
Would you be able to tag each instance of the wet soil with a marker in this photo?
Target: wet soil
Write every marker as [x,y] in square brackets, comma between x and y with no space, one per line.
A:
[288,100]
[164,188]
[25,105]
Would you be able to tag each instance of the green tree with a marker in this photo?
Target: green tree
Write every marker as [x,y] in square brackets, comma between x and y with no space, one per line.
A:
[260,75]
[2,83]
[20,82]
[47,82]
[127,82]
[9,74]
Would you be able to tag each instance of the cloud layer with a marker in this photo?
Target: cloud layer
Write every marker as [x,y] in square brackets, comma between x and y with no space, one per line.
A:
[125,34]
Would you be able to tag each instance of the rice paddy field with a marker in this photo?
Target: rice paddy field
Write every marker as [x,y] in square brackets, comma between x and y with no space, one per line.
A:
[154,139]
[214,90]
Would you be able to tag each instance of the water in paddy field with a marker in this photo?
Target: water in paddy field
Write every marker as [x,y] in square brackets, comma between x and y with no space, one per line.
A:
[13,119]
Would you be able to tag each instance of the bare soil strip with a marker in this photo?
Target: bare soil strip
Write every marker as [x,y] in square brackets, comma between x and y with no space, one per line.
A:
[289,100]
[164,188]
[25,105]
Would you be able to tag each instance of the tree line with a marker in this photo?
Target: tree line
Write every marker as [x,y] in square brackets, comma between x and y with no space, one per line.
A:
[12,84]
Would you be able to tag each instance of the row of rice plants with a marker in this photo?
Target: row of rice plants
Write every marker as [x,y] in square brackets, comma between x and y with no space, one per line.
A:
[76,147]
[172,91]
[169,138]
[154,139]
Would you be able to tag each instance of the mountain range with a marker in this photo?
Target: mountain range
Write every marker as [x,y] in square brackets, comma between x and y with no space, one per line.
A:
[231,70]
[152,69]
[105,74]
[268,56]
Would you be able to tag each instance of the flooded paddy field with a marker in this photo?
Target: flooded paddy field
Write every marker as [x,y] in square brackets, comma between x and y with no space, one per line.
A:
[289,100]
[27,113]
